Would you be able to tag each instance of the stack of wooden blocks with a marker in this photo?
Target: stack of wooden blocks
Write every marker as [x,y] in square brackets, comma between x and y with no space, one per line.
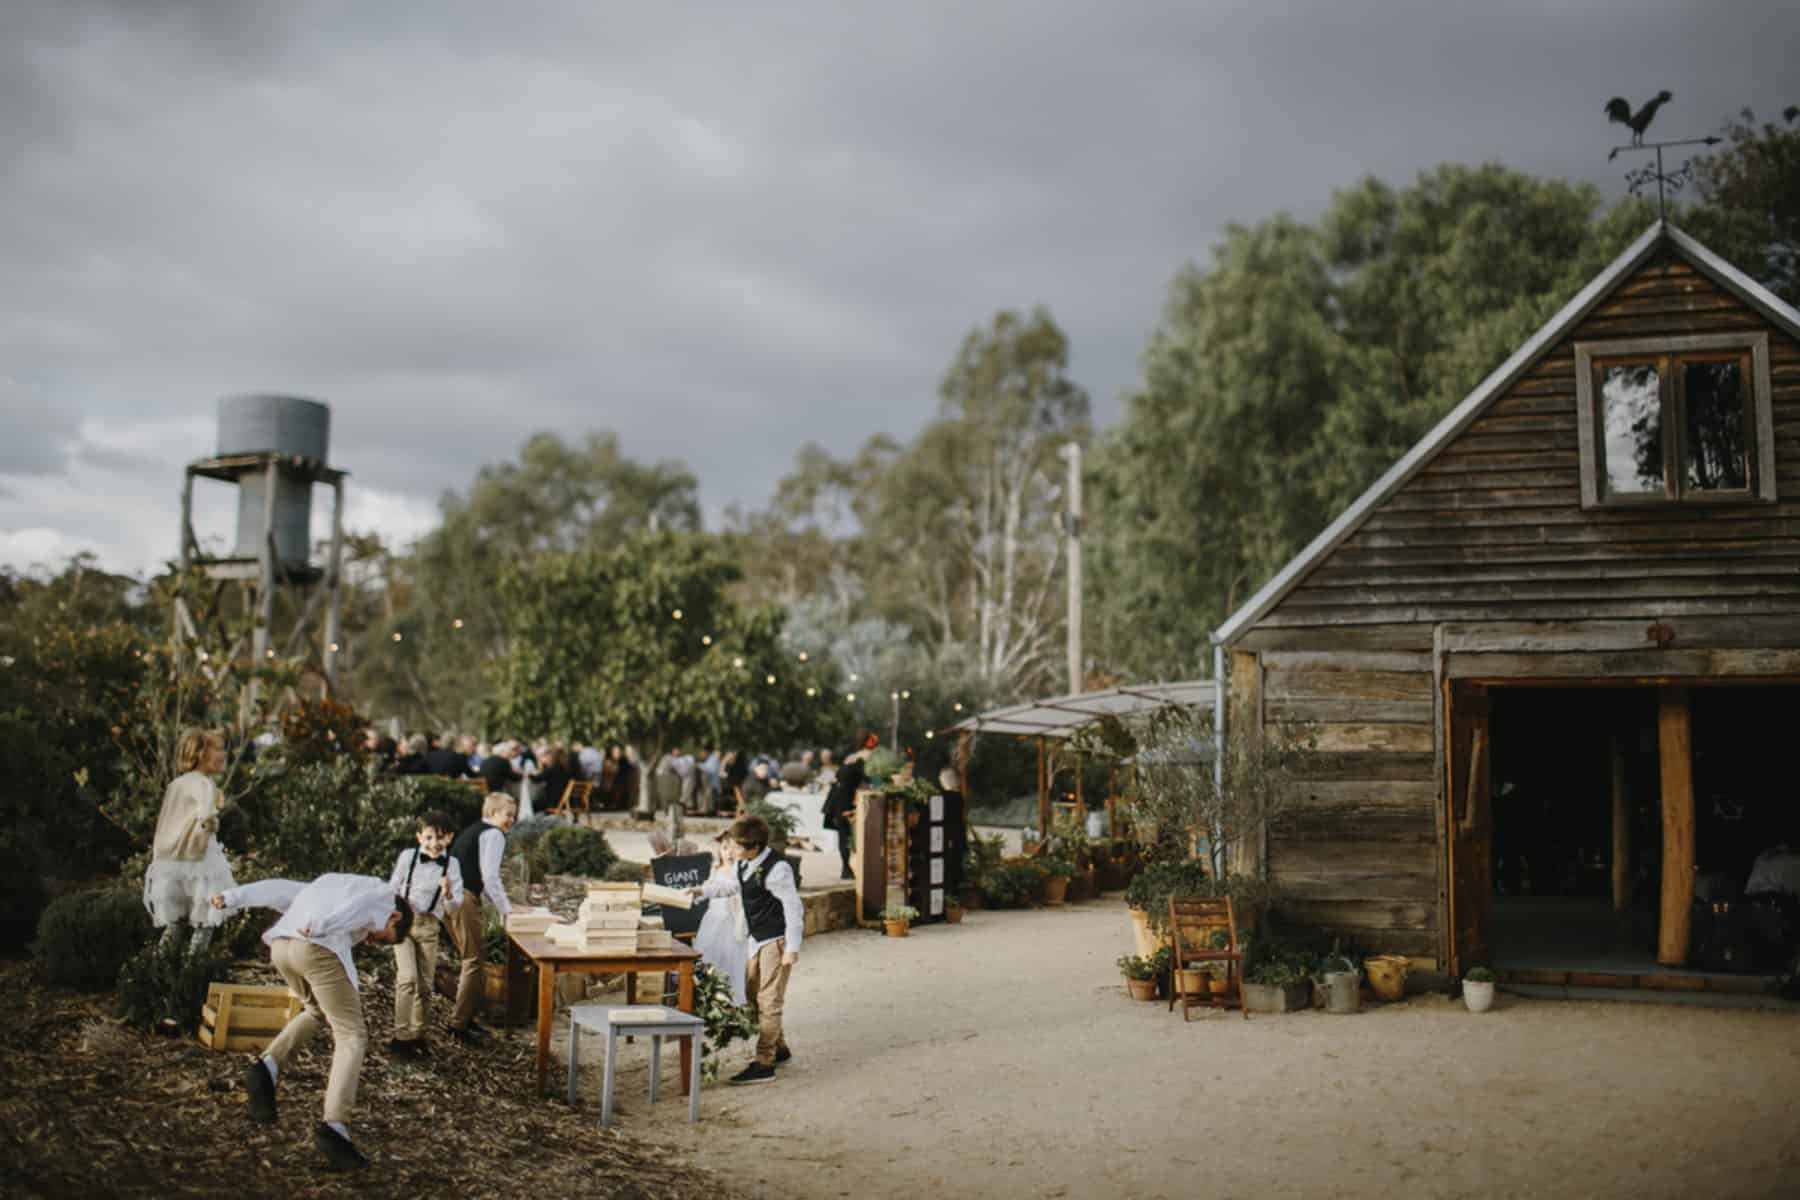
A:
[529,920]
[611,921]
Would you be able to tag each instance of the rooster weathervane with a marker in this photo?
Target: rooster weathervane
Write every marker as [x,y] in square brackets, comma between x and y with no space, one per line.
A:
[1638,122]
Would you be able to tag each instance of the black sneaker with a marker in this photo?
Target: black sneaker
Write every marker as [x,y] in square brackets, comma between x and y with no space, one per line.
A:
[847,874]
[782,1054]
[406,1048]
[754,1073]
[473,1035]
[339,1154]
[262,1093]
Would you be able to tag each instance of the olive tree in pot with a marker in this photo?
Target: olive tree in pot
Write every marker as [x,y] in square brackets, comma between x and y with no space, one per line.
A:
[1478,989]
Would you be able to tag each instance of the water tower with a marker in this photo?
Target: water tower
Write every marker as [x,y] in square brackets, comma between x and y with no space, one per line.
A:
[273,448]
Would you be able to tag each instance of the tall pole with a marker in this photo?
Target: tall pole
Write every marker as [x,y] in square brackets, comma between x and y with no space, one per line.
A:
[1071,453]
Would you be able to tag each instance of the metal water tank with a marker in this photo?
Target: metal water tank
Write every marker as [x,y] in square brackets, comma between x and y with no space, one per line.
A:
[293,428]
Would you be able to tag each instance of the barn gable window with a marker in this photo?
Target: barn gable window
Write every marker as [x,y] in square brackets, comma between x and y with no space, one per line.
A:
[1682,420]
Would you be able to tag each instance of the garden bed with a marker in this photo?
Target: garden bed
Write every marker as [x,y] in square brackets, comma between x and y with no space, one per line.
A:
[90,1107]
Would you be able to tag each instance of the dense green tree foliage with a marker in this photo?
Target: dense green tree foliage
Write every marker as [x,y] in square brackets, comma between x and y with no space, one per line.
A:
[1307,359]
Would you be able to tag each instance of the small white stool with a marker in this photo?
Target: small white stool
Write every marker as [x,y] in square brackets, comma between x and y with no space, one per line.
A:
[644,1020]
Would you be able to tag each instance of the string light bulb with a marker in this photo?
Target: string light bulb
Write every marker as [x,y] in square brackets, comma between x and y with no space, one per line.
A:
[957,707]
[929,735]
[850,696]
[811,692]
[457,624]
[905,695]
[706,639]
[803,656]
[334,647]
[769,679]
[396,637]
[738,663]
[676,614]
[854,677]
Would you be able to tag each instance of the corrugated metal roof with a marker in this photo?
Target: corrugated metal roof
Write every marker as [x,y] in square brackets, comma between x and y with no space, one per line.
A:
[1501,378]
[1061,716]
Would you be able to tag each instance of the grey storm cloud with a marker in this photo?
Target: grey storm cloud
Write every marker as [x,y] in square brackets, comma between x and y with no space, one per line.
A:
[719,230]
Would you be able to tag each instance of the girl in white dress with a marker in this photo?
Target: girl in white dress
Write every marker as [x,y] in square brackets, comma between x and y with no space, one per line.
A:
[723,936]
[187,866]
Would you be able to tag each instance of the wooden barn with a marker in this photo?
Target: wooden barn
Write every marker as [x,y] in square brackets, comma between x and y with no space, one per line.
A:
[1551,658]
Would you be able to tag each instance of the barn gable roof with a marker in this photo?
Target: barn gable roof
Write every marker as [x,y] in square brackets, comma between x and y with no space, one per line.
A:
[1458,419]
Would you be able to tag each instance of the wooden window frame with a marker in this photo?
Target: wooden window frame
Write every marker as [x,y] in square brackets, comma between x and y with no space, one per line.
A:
[1761,427]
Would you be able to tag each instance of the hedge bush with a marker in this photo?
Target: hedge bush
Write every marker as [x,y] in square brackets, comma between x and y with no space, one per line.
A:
[22,896]
[337,815]
[1011,883]
[577,850]
[162,987]
[84,938]
[626,871]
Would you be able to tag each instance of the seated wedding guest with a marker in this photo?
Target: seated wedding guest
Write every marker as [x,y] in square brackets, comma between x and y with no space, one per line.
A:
[554,777]
[412,757]
[497,770]
[445,760]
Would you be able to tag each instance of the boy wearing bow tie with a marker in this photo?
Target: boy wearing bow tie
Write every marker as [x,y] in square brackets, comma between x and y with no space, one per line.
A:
[431,880]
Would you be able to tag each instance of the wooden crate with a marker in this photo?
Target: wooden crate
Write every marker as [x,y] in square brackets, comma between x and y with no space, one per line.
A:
[241,1016]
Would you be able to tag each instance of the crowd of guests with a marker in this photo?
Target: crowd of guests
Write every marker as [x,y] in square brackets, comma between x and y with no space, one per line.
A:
[538,772]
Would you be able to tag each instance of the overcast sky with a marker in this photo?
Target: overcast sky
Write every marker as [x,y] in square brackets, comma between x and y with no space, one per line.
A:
[717,229]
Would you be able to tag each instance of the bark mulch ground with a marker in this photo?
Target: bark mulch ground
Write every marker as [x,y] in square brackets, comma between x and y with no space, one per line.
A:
[90,1107]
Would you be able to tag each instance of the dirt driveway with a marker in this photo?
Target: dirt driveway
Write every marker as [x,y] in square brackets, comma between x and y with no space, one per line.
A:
[1001,1058]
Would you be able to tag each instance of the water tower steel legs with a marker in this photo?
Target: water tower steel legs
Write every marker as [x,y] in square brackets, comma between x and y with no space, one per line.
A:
[333,604]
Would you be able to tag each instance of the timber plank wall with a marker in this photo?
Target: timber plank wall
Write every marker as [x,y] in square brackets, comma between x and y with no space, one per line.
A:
[1492,530]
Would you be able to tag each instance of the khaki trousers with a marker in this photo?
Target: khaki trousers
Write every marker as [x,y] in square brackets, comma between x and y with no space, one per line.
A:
[465,931]
[765,979]
[317,977]
[415,972]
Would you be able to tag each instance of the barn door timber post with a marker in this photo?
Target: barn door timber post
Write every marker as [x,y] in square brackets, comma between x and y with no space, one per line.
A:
[1440,742]
[1621,828]
[1675,747]
[1043,784]
[1469,823]
[1245,857]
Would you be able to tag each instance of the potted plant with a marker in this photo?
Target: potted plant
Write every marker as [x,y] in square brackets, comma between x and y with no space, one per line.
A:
[898,919]
[1140,976]
[1191,980]
[1340,983]
[1162,962]
[1058,870]
[1276,985]
[1478,989]
[953,910]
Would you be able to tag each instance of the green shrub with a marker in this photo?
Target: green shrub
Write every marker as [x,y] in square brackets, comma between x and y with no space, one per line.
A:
[336,815]
[22,895]
[726,1021]
[1011,883]
[162,987]
[460,800]
[84,938]
[577,850]
[780,821]
[626,871]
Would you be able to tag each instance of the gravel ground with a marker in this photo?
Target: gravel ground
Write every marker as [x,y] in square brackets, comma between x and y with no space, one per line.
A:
[1001,1057]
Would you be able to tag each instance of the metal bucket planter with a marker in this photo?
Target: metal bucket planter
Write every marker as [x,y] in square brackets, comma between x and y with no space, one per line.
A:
[1343,991]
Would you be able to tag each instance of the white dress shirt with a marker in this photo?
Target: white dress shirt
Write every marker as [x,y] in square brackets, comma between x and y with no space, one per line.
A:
[492,848]
[781,885]
[426,877]
[333,911]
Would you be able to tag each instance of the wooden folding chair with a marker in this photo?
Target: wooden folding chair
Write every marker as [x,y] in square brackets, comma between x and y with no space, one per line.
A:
[1193,920]
[578,792]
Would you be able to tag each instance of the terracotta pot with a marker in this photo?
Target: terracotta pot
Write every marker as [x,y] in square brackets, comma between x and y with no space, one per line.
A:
[1056,890]
[1191,981]
[1218,985]
[898,928]
[972,898]
[1148,940]
[953,916]
[1142,989]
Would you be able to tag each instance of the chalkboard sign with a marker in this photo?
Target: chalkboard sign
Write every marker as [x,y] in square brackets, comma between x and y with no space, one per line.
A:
[680,871]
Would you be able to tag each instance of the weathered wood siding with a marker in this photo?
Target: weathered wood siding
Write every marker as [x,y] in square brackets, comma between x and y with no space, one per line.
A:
[1356,851]
[1492,529]
[1450,573]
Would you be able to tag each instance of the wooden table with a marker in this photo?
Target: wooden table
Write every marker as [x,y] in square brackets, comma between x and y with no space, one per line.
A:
[552,960]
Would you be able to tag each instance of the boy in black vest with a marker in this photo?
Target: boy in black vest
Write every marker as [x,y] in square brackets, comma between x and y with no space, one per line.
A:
[478,851]
[772,910]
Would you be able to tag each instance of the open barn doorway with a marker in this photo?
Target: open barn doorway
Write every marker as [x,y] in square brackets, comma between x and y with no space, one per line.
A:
[1576,820]
[1576,816]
